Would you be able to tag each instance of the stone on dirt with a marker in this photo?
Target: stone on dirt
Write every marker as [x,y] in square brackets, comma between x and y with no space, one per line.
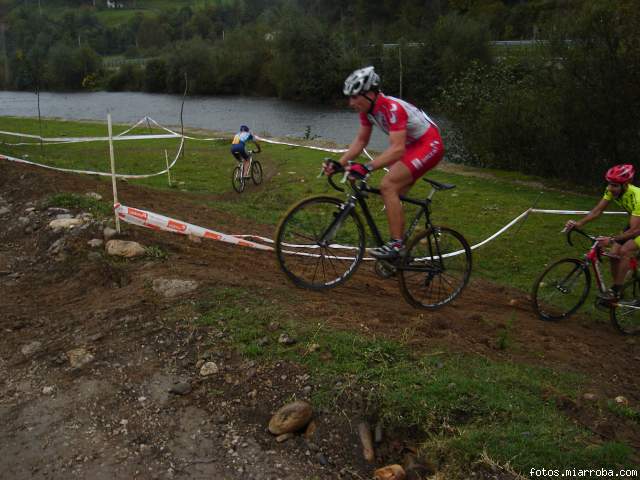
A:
[170,288]
[95,242]
[290,418]
[30,348]
[79,357]
[284,437]
[364,431]
[108,233]
[621,400]
[390,472]
[181,388]
[65,223]
[209,368]
[285,339]
[124,248]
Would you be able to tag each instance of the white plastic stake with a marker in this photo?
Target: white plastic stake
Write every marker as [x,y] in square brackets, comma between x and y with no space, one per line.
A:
[113,171]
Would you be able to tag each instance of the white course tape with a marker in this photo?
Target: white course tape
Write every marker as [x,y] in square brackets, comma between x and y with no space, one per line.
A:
[573,212]
[160,222]
[185,136]
[143,119]
[91,172]
[66,140]
[266,140]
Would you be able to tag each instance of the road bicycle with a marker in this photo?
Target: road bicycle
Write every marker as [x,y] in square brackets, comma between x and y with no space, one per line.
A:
[320,242]
[238,180]
[562,288]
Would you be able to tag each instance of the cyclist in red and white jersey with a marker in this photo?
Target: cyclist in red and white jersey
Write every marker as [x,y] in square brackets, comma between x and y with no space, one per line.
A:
[415,147]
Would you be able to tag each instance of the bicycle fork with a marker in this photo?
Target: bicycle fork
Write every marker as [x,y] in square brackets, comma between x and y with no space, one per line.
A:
[339,218]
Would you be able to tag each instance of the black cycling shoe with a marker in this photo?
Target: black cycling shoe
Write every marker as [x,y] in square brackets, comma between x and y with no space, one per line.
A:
[389,251]
[605,299]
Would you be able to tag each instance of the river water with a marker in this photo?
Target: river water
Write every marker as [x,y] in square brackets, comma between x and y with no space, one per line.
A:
[266,116]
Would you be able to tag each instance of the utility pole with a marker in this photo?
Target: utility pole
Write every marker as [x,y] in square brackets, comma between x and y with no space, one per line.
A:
[5,60]
[400,61]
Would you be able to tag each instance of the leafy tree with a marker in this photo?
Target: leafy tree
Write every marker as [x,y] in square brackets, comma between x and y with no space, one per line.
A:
[155,76]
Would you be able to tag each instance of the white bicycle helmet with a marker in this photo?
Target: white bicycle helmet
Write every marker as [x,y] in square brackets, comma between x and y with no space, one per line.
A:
[361,81]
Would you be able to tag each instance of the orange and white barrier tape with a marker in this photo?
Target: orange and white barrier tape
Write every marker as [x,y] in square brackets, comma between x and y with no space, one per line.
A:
[155,221]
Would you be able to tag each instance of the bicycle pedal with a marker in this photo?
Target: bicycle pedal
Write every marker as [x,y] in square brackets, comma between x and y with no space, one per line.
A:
[602,304]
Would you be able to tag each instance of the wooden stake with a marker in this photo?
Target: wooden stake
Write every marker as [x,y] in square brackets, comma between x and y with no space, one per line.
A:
[166,159]
[113,171]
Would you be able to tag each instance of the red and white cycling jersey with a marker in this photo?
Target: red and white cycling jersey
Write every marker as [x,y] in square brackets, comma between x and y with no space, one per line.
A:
[391,114]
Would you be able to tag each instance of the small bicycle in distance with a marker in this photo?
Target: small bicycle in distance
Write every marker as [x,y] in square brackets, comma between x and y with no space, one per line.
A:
[238,180]
[320,243]
[564,285]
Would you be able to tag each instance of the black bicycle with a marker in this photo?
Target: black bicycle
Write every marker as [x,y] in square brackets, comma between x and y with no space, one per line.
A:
[320,242]
[238,180]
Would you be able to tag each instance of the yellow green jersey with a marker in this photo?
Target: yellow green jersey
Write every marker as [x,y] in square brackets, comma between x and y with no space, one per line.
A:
[629,200]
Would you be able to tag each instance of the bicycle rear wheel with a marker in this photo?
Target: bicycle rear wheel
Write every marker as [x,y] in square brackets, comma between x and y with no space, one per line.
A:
[435,268]
[256,172]
[318,244]
[625,315]
[561,289]
[237,180]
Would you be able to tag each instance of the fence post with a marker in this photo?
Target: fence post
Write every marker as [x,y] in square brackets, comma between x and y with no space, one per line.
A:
[113,172]
[166,159]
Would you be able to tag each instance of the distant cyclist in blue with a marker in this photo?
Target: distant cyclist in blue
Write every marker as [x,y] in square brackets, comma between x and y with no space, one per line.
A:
[238,147]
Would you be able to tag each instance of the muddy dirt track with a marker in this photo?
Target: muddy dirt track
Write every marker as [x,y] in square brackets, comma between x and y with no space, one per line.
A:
[79,300]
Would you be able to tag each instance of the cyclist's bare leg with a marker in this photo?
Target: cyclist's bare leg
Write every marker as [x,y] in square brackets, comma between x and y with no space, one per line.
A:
[620,266]
[245,168]
[395,183]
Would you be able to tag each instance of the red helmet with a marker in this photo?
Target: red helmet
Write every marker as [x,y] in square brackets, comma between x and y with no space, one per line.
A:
[620,174]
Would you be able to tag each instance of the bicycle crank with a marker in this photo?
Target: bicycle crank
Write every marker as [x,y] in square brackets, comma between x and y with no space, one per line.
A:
[384,269]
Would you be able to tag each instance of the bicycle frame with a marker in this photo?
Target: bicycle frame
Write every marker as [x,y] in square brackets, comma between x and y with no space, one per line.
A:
[357,197]
[594,258]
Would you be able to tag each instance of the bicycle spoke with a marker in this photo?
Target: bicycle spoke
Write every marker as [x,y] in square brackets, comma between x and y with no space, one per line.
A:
[426,280]
[625,315]
[561,289]
[307,256]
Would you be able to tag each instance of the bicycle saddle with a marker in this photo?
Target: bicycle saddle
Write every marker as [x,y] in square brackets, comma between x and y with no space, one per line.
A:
[438,185]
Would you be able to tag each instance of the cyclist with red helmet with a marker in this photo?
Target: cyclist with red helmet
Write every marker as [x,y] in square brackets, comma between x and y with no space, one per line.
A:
[415,147]
[626,244]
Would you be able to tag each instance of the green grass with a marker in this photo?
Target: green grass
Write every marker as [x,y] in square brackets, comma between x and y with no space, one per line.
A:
[478,207]
[98,208]
[461,405]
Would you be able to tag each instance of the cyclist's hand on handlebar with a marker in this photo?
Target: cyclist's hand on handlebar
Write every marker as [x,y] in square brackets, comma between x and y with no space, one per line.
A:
[604,241]
[570,225]
[358,171]
[330,166]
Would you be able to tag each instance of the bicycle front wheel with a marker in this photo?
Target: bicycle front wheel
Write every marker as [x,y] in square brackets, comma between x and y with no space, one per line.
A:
[256,172]
[237,180]
[625,315]
[435,268]
[561,289]
[318,244]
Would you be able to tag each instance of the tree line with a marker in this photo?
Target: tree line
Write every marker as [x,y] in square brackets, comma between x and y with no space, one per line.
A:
[565,105]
